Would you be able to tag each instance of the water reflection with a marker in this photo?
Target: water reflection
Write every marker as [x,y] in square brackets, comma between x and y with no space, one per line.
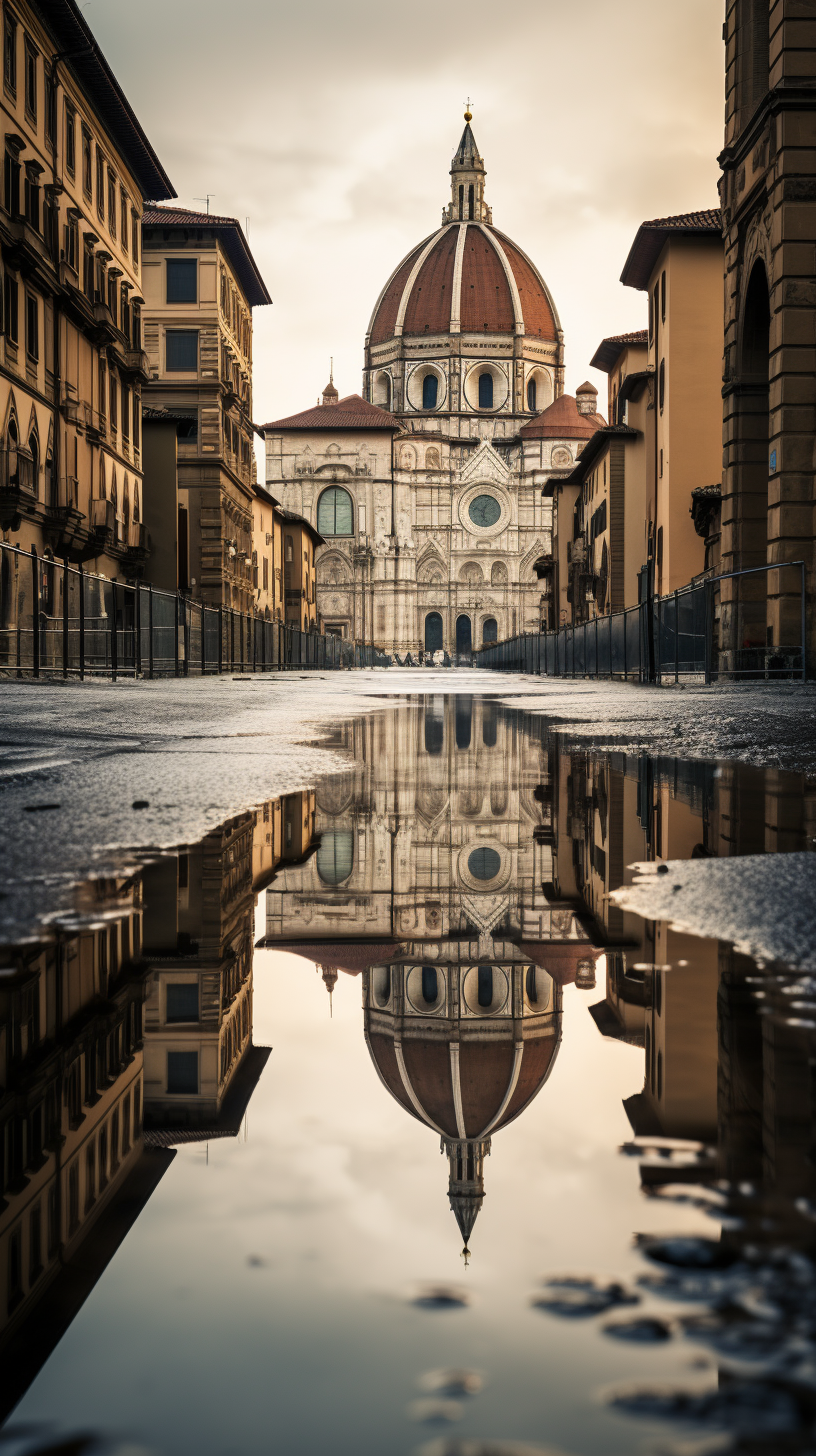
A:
[122,1036]
[429,883]
[460,870]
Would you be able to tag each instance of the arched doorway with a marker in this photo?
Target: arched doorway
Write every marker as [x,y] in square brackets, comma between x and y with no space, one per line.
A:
[433,632]
[490,631]
[464,638]
[746,625]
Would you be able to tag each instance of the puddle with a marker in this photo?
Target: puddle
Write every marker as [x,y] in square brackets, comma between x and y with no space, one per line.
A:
[404,1101]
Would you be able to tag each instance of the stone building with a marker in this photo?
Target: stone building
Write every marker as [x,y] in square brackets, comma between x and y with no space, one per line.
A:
[440,522]
[429,880]
[77,170]
[201,284]
[768,195]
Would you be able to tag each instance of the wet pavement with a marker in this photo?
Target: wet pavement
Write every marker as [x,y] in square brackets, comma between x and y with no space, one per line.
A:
[398,1112]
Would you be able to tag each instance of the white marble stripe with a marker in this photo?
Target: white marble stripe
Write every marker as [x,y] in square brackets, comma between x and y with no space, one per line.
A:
[406,1082]
[412,278]
[509,275]
[514,1076]
[456,291]
[457,1088]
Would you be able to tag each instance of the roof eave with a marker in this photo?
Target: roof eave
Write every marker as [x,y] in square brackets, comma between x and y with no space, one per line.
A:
[645,251]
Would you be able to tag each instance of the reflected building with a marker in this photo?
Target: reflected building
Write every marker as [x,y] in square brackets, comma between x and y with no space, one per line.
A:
[429,882]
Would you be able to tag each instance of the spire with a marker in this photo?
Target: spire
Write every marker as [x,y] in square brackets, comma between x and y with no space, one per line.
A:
[467,181]
[330,395]
[466,1185]
[329,976]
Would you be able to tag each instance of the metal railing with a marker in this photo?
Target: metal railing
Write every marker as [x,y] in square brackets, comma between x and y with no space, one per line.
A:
[59,621]
[709,630]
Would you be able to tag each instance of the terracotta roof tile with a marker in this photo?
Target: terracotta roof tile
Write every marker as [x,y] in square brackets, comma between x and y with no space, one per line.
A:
[610,349]
[382,325]
[651,237]
[231,236]
[351,413]
[562,421]
[429,307]
[486,302]
[535,305]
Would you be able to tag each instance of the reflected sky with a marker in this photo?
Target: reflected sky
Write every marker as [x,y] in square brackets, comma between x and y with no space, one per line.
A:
[294,1278]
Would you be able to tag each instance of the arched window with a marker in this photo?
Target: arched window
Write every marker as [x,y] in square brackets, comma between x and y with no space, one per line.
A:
[430,985]
[461,200]
[34,447]
[464,718]
[430,391]
[382,985]
[531,395]
[464,641]
[532,989]
[490,719]
[13,463]
[490,631]
[485,391]
[335,513]
[434,727]
[126,502]
[470,201]
[485,995]
[335,855]
[433,632]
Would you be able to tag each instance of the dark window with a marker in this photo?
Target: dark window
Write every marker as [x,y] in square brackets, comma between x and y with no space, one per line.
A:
[31,80]
[485,391]
[187,427]
[50,110]
[112,203]
[87,162]
[464,719]
[531,395]
[182,1072]
[430,391]
[433,632]
[490,630]
[464,639]
[532,989]
[70,141]
[484,863]
[100,183]
[125,412]
[430,985]
[470,201]
[663,296]
[335,513]
[182,280]
[182,1001]
[485,996]
[182,350]
[32,328]
[434,727]
[10,52]
[134,234]
[10,308]
[461,200]
[335,855]
[661,387]
[113,386]
[490,722]
[11,185]
[123,219]
[103,387]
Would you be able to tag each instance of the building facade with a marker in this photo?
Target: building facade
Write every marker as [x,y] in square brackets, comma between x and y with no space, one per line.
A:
[768,195]
[201,284]
[440,523]
[77,170]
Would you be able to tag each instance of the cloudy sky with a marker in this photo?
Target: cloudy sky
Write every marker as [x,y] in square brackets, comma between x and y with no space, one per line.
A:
[331,127]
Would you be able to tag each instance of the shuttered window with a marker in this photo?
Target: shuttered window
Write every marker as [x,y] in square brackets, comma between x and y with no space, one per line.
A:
[335,513]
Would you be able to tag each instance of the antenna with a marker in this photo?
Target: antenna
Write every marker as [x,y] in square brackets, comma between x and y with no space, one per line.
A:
[205,199]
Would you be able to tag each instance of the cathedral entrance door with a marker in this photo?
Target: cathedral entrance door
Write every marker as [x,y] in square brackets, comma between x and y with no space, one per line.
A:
[433,632]
[464,641]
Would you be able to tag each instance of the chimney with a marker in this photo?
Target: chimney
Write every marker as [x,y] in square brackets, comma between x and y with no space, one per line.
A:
[586,399]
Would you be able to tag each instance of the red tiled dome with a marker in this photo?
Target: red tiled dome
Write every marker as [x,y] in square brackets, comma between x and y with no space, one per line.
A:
[499,291]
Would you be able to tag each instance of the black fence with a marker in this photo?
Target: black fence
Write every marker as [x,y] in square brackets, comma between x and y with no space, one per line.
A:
[57,621]
[698,632]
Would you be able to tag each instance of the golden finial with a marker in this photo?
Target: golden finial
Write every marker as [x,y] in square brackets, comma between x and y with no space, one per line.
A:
[468,112]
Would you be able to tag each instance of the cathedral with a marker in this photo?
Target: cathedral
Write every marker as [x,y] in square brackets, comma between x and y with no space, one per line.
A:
[427,487]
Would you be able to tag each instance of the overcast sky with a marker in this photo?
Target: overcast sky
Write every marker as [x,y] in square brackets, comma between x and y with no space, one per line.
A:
[332,127]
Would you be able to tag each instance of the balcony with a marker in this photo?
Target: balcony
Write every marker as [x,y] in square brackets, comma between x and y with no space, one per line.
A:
[18,489]
[70,404]
[105,328]
[135,363]
[96,426]
[65,529]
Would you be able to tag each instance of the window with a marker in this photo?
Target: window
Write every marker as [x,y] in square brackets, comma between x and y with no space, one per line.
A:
[112,203]
[31,80]
[103,387]
[430,985]
[182,280]
[125,412]
[72,244]
[10,308]
[182,350]
[10,52]
[335,514]
[430,391]
[87,162]
[123,218]
[100,183]
[51,109]
[113,387]
[485,391]
[32,328]
[484,863]
[134,235]
[531,395]
[70,140]
[335,856]
[661,386]
[485,985]
[187,428]
[663,296]
[490,631]
[11,185]
[182,1073]
[182,1001]
[137,423]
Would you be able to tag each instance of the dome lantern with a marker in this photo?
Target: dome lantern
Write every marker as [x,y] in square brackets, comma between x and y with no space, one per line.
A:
[467,174]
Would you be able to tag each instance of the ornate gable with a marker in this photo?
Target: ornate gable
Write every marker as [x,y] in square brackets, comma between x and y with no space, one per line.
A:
[485,464]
